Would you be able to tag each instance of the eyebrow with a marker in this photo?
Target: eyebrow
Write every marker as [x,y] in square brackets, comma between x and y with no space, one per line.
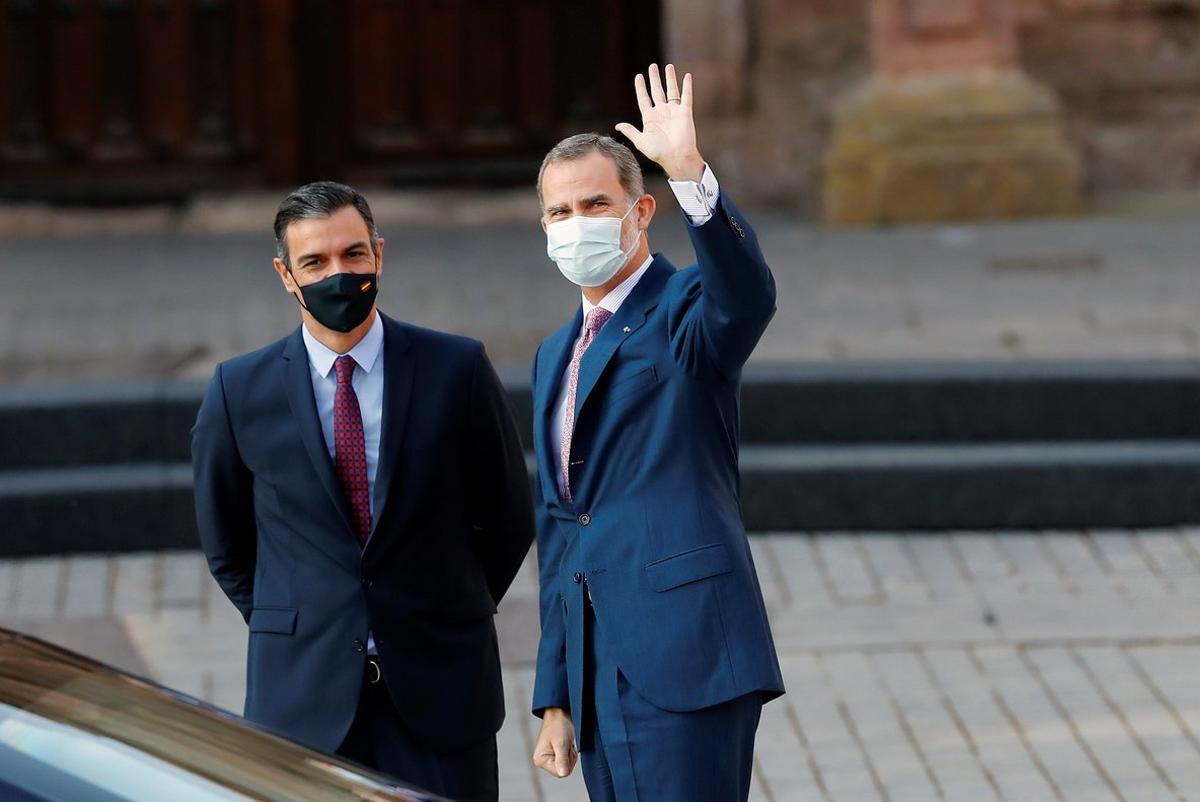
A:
[305,257]
[590,201]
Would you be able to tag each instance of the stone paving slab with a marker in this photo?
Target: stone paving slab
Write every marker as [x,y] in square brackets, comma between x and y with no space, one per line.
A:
[1113,286]
[1009,667]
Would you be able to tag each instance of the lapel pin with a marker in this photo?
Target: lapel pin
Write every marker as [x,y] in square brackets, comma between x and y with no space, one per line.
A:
[627,329]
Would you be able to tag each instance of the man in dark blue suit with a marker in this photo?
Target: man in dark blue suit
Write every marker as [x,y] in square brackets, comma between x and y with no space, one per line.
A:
[363,500]
[656,655]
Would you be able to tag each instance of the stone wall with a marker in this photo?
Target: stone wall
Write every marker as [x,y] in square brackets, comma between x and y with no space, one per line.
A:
[1128,75]
[1127,72]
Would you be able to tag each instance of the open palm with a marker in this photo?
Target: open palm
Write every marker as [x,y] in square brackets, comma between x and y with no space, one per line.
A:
[668,133]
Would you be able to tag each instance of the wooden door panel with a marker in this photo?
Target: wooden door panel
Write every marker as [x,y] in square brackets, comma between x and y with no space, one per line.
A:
[25,56]
[387,75]
[132,98]
[466,89]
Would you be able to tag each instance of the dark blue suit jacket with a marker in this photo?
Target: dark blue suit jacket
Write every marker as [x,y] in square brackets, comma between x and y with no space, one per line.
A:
[453,523]
[655,529]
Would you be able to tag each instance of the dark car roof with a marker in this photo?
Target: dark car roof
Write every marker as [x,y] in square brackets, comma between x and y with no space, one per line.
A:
[63,687]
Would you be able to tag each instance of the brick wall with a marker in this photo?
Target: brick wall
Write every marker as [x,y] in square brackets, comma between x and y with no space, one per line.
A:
[1127,71]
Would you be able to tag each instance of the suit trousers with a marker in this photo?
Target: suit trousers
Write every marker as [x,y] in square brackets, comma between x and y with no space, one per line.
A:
[378,739]
[634,751]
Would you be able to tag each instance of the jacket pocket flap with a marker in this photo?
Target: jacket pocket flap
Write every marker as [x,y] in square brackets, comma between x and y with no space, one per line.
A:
[701,563]
[280,620]
[621,384]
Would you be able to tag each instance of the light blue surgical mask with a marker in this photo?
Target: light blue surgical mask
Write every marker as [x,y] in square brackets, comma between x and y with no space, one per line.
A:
[588,249]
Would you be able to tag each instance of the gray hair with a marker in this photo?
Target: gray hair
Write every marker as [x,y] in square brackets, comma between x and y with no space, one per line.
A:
[629,172]
[319,199]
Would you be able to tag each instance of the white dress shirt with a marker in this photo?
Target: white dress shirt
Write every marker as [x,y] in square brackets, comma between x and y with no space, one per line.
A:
[368,386]
[698,201]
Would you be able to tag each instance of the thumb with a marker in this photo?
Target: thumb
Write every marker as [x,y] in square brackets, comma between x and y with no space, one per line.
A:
[562,763]
[631,133]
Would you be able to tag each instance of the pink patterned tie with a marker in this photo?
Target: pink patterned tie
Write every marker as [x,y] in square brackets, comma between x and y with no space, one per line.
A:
[591,327]
[349,448]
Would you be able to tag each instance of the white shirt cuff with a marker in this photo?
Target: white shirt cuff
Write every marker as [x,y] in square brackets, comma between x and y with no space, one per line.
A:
[697,199]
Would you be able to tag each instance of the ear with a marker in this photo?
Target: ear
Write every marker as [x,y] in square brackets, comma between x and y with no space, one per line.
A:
[543,222]
[285,276]
[646,207]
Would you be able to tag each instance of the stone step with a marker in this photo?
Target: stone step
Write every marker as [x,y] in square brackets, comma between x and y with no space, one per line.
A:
[784,487]
[139,422]
[975,402]
[977,486]
[97,509]
[101,424]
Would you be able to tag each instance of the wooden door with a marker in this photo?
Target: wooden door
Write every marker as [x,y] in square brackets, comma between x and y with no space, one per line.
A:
[111,100]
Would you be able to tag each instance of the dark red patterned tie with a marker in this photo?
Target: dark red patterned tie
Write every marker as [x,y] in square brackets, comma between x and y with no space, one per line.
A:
[349,447]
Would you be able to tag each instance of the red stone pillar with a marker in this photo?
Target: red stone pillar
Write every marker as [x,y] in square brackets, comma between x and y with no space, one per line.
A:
[947,126]
[915,36]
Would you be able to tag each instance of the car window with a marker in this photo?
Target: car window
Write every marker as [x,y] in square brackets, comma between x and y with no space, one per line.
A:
[52,761]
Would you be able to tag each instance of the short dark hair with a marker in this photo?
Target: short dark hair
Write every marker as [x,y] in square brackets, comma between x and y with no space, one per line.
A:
[319,199]
[629,172]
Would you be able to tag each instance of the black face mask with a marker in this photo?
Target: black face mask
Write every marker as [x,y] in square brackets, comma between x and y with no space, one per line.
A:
[342,301]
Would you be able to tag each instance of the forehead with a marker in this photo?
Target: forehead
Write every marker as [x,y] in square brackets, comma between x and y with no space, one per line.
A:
[327,234]
[591,174]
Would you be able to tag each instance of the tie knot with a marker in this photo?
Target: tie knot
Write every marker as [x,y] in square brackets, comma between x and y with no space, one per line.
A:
[345,368]
[596,319]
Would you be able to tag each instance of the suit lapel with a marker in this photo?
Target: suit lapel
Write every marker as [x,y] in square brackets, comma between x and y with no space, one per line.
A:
[628,319]
[304,410]
[553,359]
[397,390]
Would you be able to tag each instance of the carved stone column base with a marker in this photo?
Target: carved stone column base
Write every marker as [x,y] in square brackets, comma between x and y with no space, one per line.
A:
[948,146]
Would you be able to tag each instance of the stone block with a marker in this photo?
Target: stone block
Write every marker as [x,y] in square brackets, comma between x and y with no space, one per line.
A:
[986,144]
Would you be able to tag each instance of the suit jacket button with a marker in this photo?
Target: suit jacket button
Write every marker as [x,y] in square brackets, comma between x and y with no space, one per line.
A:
[585,519]
[577,577]
[359,646]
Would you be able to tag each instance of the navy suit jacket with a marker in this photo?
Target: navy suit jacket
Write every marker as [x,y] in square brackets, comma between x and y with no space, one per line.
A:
[655,529]
[452,526]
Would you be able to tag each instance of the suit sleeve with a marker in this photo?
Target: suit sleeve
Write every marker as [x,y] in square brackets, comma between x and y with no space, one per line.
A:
[500,506]
[224,497]
[717,321]
[550,682]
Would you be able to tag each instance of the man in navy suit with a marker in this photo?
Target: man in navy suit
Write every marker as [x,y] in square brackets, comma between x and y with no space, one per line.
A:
[363,500]
[656,655]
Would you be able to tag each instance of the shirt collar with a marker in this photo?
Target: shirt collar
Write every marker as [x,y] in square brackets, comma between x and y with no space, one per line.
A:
[365,353]
[617,295]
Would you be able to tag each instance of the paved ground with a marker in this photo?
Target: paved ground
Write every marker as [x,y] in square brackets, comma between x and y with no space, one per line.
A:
[1013,667]
[172,304]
